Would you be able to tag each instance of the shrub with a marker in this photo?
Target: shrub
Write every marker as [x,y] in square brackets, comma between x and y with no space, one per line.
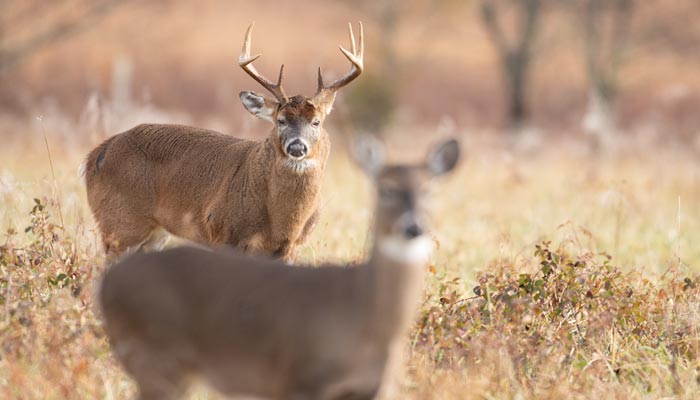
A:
[575,312]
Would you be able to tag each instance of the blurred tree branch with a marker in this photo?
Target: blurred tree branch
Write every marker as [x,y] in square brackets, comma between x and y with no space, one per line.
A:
[65,27]
[515,57]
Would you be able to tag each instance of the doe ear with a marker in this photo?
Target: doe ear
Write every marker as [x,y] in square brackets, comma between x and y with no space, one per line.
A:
[258,105]
[443,157]
[368,153]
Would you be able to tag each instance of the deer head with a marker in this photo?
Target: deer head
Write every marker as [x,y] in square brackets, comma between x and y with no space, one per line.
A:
[400,220]
[298,120]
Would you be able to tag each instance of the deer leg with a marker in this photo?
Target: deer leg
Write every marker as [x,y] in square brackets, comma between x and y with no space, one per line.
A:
[253,245]
[158,387]
[125,239]
[122,231]
[153,392]
[158,374]
[362,392]
[285,252]
[360,395]
[308,228]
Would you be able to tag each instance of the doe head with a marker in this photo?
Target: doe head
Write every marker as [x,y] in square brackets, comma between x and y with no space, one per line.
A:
[401,191]
[298,120]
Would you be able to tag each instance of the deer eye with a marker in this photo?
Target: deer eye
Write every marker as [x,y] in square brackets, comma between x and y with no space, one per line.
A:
[281,121]
[316,122]
[389,193]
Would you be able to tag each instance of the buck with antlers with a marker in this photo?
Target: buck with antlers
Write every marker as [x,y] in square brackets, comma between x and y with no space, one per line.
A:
[259,328]
[212,188]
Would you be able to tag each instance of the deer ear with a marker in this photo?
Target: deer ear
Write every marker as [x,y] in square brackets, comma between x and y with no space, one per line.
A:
[368,153]
[259,105]
[324,101]
[443,157]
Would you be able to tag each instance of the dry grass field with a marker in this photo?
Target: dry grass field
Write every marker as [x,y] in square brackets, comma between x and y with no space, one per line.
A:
[559,274]
[559,271]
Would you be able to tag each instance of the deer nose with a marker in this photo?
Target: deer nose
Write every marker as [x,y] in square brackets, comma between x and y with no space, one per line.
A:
[297,148]
[413,231]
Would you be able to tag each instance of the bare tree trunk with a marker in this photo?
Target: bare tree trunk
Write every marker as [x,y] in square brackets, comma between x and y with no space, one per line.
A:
[372,100]
[516,76]
[389,18]
[515,57]
[603,55]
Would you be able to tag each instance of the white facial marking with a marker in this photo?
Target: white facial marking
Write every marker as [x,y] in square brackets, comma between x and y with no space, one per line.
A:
[409,251]
[299,166]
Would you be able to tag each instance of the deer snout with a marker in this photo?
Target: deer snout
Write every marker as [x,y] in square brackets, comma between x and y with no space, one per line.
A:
[409,226]
[412,231]
[296,148]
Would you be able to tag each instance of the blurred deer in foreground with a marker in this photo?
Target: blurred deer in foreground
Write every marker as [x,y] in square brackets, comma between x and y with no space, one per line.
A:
[257,327]
[211,188]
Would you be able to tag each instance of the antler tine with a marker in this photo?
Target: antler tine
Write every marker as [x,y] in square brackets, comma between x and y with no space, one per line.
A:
[362,42]
[352,38]
[245,60]
[356,58]
[320,79]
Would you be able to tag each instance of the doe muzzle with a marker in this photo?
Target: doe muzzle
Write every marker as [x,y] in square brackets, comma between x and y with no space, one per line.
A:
[412,231]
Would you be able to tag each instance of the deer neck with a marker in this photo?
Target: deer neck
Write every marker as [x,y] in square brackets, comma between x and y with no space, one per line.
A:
[292,194]
[397,281]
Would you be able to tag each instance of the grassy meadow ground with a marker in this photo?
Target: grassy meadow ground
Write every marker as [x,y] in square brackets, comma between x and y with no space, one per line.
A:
[557,275]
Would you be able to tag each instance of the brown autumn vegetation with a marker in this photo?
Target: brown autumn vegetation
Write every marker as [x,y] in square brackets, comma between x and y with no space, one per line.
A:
[559,273]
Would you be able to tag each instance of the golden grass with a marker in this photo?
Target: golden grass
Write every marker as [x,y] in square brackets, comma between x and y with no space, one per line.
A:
[642,208]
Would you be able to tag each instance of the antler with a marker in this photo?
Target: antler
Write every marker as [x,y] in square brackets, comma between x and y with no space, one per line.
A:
[355,57]
[246,62]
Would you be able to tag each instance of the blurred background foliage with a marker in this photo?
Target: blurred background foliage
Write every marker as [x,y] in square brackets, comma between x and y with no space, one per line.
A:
[608,68]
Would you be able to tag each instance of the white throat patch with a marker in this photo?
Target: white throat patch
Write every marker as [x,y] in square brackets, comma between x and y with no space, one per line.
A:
[407,251]
[299,166]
